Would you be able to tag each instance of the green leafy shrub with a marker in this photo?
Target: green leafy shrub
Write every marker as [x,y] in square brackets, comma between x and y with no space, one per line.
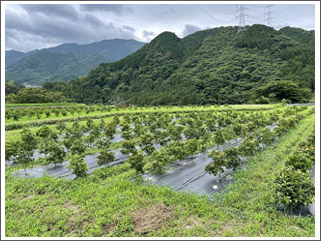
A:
[78,166]
[158,160]
[300,160]
[55,152]
[128,147]
[219,161]
[105,157]
[77,147]
[44,132]
[28,138]
[137,162]
[147,143]
[293,188]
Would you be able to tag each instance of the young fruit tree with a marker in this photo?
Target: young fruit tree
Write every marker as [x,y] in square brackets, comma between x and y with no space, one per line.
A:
[232,157]
[126,131]
[16,151]
[216,167]
[11,151]
[28,138]
[228,134]
[55,152]
[61,126]
[19,152]
[249,146]
[106,155]
[89,124]
[25,156]
[78,147]
[175,132]
[146,143]
[138,129]
[191,133]
[94,134]
[192,146]
[137,162]
[110,130]
[218,138]
[267,136]
[238,129]
[78,166]
[44,131]
[158,160]
[163,138]
[128,147]
[177,150]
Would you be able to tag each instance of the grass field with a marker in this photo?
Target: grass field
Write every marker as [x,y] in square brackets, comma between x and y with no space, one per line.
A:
[26,105]
[113,202]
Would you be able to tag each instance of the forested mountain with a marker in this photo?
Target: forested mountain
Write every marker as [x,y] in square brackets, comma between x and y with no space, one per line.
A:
[299,34]
[13,56]
[46,66]
[208,67]
[64,62]
[112,50]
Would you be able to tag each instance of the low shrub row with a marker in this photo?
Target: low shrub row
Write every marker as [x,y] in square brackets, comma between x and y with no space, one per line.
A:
[15,126]
[294,186]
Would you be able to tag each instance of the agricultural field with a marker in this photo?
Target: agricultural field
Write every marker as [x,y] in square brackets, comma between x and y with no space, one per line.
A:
[209,171]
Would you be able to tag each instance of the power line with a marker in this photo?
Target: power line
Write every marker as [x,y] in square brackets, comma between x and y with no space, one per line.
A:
[257,18]
[232,10]
[217,8]
[211,16]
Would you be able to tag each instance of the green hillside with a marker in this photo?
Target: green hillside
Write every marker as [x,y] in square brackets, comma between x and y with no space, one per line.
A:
[13,56]
[112,50]
[213,66]
[45,66]
[299,34]
[64,62]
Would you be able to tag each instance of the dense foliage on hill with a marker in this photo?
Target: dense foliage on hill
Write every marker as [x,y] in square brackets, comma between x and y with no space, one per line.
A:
[35,95]
[299,34]
[12,87]
[276,91]
[214,66]
[64,62]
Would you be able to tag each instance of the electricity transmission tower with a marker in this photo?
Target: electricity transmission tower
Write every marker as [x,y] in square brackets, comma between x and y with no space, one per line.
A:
[241,16]
[268,15]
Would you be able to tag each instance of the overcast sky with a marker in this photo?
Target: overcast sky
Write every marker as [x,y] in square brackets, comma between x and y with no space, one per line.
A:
[31,26]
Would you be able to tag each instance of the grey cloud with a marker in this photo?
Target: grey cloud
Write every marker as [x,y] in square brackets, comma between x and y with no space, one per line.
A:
[129,28]
[61,10]
[30,41]
[189,29]
[31,26]
[146,33]
[44,27]
[115,8]
[88,18]
[87,29]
